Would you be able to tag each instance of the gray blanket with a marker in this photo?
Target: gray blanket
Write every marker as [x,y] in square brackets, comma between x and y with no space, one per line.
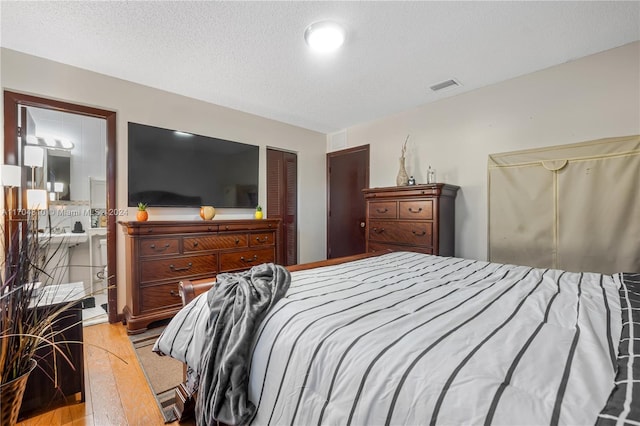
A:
[238,303]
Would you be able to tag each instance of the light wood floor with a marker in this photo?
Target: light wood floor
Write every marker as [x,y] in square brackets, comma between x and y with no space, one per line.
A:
[116,390]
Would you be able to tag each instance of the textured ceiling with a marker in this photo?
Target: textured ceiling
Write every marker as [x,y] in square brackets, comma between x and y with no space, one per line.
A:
[251,56]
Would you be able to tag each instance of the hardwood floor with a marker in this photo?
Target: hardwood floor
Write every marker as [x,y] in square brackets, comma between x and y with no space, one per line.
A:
[117,392]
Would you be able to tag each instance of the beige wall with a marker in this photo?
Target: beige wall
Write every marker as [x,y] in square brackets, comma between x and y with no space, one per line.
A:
[590,98]
[141,104]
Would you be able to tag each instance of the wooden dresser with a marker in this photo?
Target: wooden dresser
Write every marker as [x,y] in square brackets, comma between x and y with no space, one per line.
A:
[415,218]
[162,253]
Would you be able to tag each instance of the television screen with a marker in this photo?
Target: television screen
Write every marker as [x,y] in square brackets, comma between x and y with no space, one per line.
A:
[175,169]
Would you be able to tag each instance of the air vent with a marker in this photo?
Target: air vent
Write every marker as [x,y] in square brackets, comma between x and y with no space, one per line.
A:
[444,85]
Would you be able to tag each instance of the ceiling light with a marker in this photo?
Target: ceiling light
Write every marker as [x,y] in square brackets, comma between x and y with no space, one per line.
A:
[324,36]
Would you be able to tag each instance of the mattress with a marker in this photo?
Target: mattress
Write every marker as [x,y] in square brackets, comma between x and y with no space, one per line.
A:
[409,338]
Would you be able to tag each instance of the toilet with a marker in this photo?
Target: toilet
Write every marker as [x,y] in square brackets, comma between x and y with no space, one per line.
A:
[103,258]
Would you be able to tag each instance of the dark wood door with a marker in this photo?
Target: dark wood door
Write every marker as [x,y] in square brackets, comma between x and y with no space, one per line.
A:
[282,201]
[347,176]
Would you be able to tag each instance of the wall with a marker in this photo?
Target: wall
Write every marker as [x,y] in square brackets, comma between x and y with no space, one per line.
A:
[590,98]
[141,104]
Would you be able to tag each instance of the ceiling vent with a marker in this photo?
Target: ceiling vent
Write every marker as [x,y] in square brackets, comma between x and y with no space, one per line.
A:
[445,85]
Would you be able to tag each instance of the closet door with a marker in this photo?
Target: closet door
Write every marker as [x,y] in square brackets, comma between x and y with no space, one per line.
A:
[282,201]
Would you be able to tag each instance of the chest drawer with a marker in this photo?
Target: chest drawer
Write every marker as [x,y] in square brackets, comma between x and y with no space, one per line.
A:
[417,210]
[213,242]
[159,246]
[262,239]
[160,296]
[382,209]
[376,247]
[177,267]
[245,259]
[418,233]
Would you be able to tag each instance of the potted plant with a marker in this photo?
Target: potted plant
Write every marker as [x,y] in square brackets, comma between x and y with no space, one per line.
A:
[22,327]
[142,215]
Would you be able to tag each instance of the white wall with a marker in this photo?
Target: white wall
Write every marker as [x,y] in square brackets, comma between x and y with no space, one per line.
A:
[590,98]
[133,102]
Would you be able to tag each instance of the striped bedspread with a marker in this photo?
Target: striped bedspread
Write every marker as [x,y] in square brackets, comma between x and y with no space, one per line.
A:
[413,339]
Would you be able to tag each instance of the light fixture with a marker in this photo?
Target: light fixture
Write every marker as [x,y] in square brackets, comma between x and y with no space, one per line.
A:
[324,36]
[36,199]
[50,142]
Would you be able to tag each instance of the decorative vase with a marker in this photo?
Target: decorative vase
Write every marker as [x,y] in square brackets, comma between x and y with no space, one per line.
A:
[403,178]
[11,396]
[207,212]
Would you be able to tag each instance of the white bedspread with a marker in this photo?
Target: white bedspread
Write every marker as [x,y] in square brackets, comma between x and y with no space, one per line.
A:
[407,338]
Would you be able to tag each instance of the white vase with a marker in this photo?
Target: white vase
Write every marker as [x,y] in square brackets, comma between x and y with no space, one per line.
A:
[403,178]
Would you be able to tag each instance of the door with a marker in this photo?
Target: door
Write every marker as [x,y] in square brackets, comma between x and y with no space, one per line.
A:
[347,176]
[282,201]
[12,103]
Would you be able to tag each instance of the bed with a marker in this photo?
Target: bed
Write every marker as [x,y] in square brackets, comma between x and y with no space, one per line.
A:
[409,338]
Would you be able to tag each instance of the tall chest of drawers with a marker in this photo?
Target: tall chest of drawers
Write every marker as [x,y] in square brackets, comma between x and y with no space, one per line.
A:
[415,218]
[162,253]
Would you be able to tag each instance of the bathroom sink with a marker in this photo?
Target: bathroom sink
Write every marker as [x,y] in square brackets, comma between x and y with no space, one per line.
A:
[65,238]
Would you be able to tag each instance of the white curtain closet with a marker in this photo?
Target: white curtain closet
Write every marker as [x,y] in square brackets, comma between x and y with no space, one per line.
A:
[574,207]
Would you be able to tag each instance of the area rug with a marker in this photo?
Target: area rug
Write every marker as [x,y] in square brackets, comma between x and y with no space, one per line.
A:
[163,373]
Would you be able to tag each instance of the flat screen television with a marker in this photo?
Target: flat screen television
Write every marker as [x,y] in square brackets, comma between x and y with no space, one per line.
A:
[175,169]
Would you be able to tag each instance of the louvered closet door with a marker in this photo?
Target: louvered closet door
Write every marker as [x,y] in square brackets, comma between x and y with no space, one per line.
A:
[282,200]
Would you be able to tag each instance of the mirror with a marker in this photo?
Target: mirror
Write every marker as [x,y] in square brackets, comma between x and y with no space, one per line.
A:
[58,169]
[75,148]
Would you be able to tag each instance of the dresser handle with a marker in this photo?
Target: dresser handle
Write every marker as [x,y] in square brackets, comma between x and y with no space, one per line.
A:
[150,230]
[264,240]
[237,241]
[174,293]
[255,257]
[166,246]
[415,211]
[195,244]
[382,210]
[419,235]
[186,268]
[378,231]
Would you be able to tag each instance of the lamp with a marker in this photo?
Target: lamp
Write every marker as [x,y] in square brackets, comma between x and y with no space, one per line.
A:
[36,199]
[10,177]
[58,187]
[33,156]
[324,36]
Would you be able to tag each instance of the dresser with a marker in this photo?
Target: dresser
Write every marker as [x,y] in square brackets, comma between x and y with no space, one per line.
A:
[160,254]
[415,218]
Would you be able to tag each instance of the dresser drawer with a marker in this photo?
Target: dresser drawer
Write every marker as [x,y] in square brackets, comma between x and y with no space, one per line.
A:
[382,209]
[381,247]
[213,242]
[245,259]
[177,267]
[416,210]
[262,239]
[159,246]
[416,233]
[160,296]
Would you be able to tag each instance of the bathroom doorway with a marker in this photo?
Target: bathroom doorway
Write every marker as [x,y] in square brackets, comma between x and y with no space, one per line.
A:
[86,145]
